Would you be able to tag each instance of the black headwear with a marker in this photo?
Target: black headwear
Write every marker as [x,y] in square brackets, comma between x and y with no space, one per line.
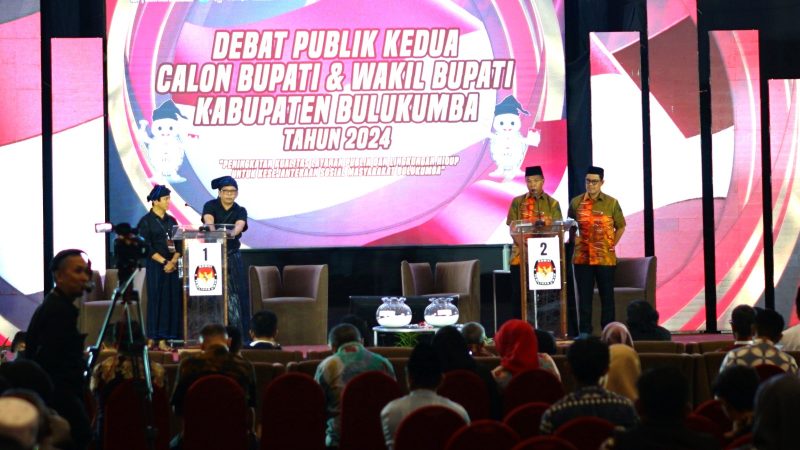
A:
[594,170]
[158,192]
[221,182]
[533,170]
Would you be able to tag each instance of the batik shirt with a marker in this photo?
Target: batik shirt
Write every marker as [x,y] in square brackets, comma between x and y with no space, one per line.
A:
[762,351]
[598,221]
[335,371]
[528,207]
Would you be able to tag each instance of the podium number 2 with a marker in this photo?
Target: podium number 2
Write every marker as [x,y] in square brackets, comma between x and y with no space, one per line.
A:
[544,248]
[205,254]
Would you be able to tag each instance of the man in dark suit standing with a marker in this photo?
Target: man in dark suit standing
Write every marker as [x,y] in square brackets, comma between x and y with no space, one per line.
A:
[55,343]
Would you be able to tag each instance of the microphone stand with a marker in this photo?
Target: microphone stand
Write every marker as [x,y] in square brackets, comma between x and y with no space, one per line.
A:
[94,352]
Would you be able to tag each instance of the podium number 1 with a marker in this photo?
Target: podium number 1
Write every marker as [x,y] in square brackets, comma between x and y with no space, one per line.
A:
[205,253]
[544,248]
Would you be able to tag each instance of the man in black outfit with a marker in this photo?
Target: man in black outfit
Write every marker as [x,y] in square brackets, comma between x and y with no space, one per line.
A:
[264,330]
[55,344]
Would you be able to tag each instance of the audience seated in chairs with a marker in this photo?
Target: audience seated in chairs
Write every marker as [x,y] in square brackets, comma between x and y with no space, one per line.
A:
[777,413]
[424,376]
[589,360]
[215,358]
[125,364]
[519,351]
[349,359]
[743,320]
[768,328]
[735,388]
[454,354]
[546,342]
[616,333]
[475,335]
[624,369]
[264,331]
[663,406]
[643,323]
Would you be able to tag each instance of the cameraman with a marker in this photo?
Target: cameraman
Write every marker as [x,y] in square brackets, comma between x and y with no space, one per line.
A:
[163,284]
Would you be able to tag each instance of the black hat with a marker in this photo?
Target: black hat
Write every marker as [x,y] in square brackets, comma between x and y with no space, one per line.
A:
[534,170]
[221,182]
[158,192]
[167,110]
[509,105]
[594,170]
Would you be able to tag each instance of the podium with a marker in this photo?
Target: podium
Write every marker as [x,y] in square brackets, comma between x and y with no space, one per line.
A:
[205,277]
[543,270]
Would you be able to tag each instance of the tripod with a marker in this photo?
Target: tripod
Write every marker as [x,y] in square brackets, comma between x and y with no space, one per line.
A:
[124,295]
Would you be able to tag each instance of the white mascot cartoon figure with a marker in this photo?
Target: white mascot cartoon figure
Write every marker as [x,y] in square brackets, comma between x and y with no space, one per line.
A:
[507,145]
[166,147]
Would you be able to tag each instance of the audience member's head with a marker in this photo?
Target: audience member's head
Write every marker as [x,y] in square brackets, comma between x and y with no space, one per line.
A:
[473,333]
[452,349]
[213,334]
[743,318]
[26,374]
[588,359]
[641,315]
[624,369]
[769,324]
[663,395]
[18,344]
[424,369]
[517,345]
[359,323]
[616,333]
[342,334]
[42,410]
[546,342]
[235,337]
[19,421]
[736,388]
[777,413]
[264,325]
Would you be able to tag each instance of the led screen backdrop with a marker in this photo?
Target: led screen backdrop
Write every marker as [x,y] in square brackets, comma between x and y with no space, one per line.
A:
[20,163]
[347,123]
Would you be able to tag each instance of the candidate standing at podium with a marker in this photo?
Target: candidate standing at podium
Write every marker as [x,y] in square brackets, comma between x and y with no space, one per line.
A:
[600,226]
[533,206]
[163,285]
[224,210]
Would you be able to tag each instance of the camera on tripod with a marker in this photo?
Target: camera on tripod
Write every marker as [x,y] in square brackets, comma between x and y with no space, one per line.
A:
[129,251]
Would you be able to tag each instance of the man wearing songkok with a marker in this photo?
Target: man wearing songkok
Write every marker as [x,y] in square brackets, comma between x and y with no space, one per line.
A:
[600,227]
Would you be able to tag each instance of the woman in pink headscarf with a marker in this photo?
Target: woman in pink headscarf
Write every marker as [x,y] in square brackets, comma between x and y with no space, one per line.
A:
[616,333]
[519,351]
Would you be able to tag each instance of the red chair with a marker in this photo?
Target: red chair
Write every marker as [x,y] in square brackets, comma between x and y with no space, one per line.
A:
[215,415]
[767,371]
[124,418]
[293,414]
[468,390]
[525,419]
[427,428]
[548,442]
[740,441]
[586,433]
[535,385]
[713,410]
[483,435]
[703,424]
[363,399]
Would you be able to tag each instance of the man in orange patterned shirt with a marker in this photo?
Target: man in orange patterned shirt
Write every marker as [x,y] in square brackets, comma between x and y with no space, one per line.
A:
[600,227]
[534,206]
